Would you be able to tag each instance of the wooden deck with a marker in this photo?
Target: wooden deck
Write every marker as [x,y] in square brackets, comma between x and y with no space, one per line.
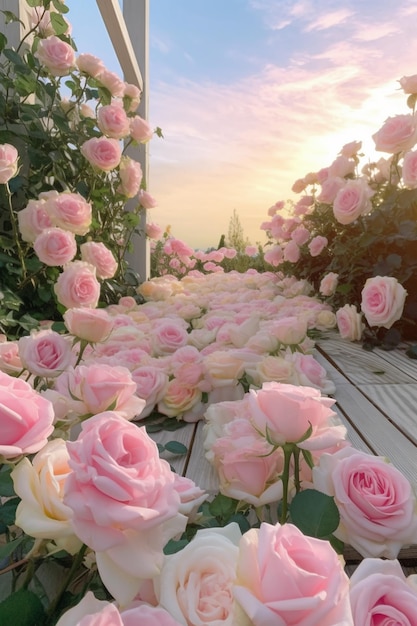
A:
[376,399]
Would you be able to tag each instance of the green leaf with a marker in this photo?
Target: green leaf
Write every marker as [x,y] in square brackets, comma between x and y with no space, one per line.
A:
[22,608]
[60,6]
[8,511]
[8,548]
[6,482]
[222,507]
[10,17]
[175,447]
[314,513]
[59,24]
[175,546]
[3,42]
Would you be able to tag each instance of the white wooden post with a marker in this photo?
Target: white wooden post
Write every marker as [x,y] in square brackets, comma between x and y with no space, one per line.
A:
[129,33]
[14,31]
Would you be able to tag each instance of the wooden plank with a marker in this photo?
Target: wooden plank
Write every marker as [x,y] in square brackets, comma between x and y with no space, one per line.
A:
[183,435]
[199,469]
[359,365]
[399,359]
[334,374]
[399,402]
[382,436]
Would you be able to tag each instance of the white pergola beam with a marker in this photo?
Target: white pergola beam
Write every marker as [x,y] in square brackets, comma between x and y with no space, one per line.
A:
[116,27]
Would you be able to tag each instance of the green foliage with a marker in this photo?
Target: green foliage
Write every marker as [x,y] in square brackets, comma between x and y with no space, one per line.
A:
[314,513]
[382,242]
[235,236]
[42,116]
[23,608]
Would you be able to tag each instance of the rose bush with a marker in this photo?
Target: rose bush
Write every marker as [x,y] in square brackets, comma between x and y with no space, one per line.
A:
[366,212]
[63,177]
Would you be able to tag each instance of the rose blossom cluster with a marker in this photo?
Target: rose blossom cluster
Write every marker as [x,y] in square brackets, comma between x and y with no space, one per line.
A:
[269,575]
[51,224]
[186,348]
[109,489]
[344,195]
[244,439]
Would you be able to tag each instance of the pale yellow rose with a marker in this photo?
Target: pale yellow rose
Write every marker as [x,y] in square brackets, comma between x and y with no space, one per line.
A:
[40,485]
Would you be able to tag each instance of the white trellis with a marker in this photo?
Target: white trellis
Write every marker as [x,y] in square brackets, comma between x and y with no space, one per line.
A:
[129,33]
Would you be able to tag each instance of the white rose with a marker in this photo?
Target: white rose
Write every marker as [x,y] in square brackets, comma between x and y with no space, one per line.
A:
[40,485]
[196,584]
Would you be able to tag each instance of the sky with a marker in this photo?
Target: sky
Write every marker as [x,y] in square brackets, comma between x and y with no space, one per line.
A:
[253,94]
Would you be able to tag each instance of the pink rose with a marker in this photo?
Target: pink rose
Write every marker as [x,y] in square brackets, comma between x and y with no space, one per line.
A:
[168,336]
[151,386]
[289,330]
[330,188]
[299,185]
[380,593]
[376,503]
[70,211]
[352,200]
[146,199]
[397,134]
[153,231]
[77,286]
[247,467]
[300,235]
[33,220]
[130,173]
[409,169]
[179,399]
[285,577]
[100,387]
[90,64]
[251,250]
[56,55]
[91,612]
[349,322]
[300,408]
[317,245]
[328,284]
[104,153]
[93,325]
[8,162]
[112,82]
[351,149]
[146,614]
[55,246]
[191,496]
[124,503]
[98,255]
[26,418]
[132,95]
[308,371]
[409,83]
[140,129]
[274,255]
[292,252]
[9,357]
[383,299]
[342,166]
[113,121]
[45,353]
